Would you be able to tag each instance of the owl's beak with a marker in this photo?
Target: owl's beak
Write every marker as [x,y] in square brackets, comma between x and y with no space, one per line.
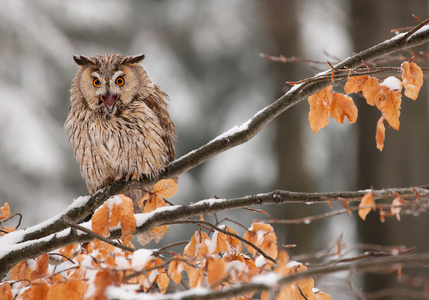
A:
[109,100]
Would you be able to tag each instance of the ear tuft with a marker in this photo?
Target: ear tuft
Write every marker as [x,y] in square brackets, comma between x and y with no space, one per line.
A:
[83,60]
[133,60]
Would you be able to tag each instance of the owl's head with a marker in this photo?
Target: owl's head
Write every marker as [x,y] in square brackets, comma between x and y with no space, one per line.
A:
[110,82]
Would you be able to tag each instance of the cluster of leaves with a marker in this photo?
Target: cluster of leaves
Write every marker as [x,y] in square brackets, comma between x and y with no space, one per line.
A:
[221,258]
[385,95]
[87,270]
[368,203]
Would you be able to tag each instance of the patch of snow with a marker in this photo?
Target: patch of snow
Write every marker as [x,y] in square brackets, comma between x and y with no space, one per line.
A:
[424,28]
[260,234]
[143,217]
[140,258]
[210,201]
[235,268]
[260,261]
[213,243]
[267,278]
[31,264]
[112,201]
[292,263]
[393,83]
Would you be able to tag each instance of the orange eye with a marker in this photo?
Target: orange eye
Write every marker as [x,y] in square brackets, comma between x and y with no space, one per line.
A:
[96,82]
[120,81]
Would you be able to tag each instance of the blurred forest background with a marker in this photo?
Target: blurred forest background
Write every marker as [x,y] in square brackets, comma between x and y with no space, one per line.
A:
[205,55]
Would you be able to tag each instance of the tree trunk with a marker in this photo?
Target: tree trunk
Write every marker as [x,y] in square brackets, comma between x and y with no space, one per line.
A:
[280,18]
[404,160]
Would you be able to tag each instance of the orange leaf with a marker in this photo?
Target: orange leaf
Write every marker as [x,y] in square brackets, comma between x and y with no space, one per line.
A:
[165,188]
[391,108]
[346,206]
[197,247]
[355,84]
[366,204]
[396,207]
[343,106]
[234,245]
[103,279]
[215,270]
[379,97]
[412,79]
[150,204]
[380,134]
[115,215]
[20,271]
[100,221]
[370,90]
[42,264]
[6,291]
[291,291]
[153,203]
[196,277]
[128,220]
[162,281]
[175,269]
[69,250]
[282,259]
[37,291]
[219,239]
[252,238]
[320,105]
[260,234]
[72,289]
[4,211]
[270,248]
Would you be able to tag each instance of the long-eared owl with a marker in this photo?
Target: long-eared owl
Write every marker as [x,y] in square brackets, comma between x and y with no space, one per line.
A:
[118,122]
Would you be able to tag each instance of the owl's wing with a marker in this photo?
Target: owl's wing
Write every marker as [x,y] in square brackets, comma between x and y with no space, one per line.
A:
[158,103]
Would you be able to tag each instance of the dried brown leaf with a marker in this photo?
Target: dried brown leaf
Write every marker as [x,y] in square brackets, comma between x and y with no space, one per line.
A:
[391,108]
[320,106]
[370,90]
[412,79]
[355,84]
[380,134]
[343,106]
[100,221]
[165,188]
[366,204]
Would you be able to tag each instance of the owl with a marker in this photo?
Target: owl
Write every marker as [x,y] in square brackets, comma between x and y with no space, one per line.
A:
[118,122]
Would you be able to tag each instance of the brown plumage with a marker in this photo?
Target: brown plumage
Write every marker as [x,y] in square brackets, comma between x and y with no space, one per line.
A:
[118,122]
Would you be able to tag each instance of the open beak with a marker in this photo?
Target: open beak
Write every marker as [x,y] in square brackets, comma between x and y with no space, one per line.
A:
[109,100]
